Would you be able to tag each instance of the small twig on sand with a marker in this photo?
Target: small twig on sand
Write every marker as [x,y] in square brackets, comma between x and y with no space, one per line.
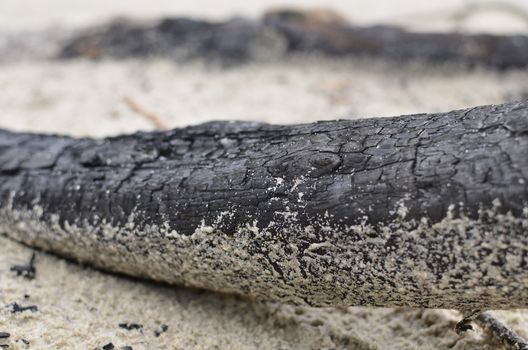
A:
[150,116]
[28,271]
[500,332]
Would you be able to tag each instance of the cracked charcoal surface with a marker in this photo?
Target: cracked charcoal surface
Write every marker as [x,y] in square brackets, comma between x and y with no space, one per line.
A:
[422,211]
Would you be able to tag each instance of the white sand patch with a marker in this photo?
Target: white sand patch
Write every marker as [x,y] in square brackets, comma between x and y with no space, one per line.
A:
[87,98]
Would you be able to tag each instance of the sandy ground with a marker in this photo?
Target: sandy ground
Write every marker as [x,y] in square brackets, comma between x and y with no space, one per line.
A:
[88,99]
[81,308]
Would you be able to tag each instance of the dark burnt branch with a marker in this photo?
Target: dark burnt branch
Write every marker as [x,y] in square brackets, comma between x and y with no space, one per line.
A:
[351,168]
[423,210]
[280,33]
[16,308]
[496,329]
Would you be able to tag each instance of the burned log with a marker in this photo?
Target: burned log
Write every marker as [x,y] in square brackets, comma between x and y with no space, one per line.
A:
[287,32]
[424,210]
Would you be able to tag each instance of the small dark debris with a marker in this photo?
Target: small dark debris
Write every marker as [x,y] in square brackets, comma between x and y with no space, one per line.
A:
[130,326]
[3,337]
[26,296]
[25,341]
[108,346]
[162,330]
[464,328]
[18,308]
[27,271]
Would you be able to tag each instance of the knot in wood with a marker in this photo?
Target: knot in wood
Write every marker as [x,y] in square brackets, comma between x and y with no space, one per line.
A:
[307,163]
[324,162]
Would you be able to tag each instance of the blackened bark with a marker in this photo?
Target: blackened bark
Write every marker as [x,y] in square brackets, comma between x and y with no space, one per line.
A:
[350,168]
[501,333]
[324,177]
[285,32]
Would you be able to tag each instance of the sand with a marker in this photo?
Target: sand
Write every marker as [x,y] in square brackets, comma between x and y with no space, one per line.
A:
[81,308]
[87,99]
